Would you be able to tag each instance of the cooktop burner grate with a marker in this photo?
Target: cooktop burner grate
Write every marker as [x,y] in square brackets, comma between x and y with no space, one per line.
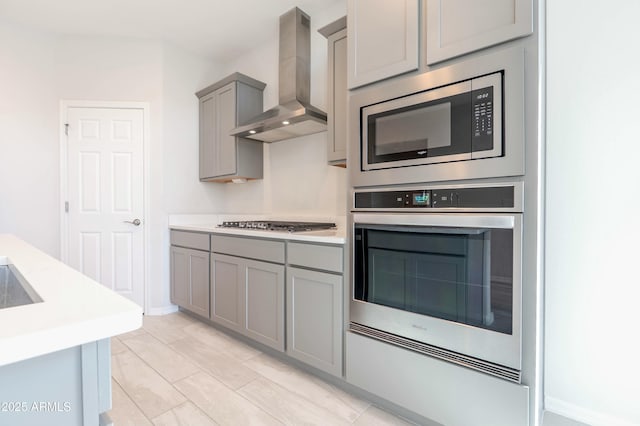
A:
[270,225]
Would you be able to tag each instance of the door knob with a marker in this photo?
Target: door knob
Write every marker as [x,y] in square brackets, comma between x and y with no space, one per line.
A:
[135,222]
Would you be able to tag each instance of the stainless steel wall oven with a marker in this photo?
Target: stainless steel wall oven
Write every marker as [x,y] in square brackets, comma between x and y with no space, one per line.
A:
[437,269]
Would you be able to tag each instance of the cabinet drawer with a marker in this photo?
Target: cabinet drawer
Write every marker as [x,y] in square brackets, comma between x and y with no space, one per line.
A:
[194,240]
[252,248]
[328,258]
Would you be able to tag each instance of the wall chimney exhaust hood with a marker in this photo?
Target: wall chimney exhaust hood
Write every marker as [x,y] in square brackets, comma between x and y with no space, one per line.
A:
[294,116]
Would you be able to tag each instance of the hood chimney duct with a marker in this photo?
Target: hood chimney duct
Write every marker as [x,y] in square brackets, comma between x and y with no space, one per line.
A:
[294,116]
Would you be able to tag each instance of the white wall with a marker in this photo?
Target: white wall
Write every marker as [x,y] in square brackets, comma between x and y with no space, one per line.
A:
[184,74]
[110,69]
[592,287]
[38,70]
[29,149]
[167,78]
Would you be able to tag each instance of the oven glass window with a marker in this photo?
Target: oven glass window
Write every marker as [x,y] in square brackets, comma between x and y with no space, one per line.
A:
[456,274]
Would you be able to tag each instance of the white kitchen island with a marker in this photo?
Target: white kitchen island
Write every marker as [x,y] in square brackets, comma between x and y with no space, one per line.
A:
[54,354]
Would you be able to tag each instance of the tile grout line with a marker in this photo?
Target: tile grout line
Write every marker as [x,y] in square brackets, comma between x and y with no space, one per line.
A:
[197,365]
[321,408]
[308,377]
[129,396]
[172,350]
[157,372]
[170,383]
[211,345]
[253,403]
[235,391]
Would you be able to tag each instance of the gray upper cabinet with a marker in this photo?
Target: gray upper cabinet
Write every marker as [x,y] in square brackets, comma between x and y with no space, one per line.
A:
[336,34]
[456,27]
[382,38]
[190,271]
[223,106]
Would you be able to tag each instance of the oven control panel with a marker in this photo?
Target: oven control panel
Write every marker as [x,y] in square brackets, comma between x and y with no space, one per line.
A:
[477,197]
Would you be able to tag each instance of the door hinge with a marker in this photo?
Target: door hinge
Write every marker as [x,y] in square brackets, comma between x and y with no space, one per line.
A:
[66,207]
[66,129]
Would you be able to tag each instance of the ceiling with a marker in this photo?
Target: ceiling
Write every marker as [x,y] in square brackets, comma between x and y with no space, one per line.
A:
[217,29]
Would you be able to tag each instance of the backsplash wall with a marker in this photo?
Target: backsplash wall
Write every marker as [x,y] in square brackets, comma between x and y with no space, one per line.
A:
[297,182]
[297,179]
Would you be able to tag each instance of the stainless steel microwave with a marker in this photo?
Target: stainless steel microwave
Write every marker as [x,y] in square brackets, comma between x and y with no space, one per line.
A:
[457,122]
[463,121]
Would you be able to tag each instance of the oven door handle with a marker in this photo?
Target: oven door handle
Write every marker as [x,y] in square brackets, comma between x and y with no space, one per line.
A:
[454,220]
[457,230]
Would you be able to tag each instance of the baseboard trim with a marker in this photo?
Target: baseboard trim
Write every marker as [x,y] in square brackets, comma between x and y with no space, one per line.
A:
[581,414]
[164,310]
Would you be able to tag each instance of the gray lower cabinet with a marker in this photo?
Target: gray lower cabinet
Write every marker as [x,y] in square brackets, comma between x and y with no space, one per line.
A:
[227,292]
[247,295]
[283,295]
[264,288]
[190,279]
[314,318]
[315,305]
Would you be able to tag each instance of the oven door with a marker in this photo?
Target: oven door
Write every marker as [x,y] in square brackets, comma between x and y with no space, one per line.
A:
[451,281]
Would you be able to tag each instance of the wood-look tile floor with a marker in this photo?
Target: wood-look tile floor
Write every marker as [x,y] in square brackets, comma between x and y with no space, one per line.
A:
[176,370]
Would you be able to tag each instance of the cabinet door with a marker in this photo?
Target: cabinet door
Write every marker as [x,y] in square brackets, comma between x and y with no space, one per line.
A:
[314,318]
[199,282]
[382,39]
[337,117]
[264,287]
[208,153]
[227,292]
[226,121]
[190,279]
[455,27]
[179,276]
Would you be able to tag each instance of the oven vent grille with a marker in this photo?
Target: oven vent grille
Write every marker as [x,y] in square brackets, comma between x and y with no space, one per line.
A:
[496,370]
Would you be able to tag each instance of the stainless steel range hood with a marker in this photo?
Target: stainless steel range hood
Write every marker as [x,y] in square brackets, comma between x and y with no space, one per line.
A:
[294,116]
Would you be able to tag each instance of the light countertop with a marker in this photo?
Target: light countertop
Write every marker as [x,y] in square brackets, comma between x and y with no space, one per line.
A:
[209,223]
[329,236]
[74,308]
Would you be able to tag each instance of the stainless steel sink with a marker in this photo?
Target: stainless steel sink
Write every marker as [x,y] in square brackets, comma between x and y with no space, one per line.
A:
[14,289]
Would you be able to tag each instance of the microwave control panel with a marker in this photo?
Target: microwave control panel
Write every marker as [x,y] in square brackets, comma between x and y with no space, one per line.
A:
[482,197]
[482,104]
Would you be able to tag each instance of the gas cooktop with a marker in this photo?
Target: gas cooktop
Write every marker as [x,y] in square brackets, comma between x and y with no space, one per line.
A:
[270,225]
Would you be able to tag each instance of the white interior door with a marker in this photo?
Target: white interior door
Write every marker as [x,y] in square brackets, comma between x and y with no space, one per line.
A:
[105,197]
